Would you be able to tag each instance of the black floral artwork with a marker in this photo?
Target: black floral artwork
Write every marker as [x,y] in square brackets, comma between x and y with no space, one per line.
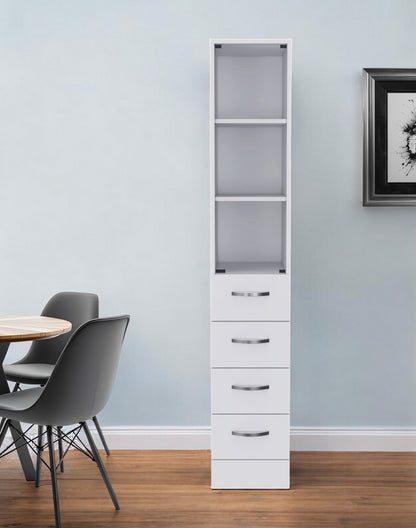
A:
[409,149]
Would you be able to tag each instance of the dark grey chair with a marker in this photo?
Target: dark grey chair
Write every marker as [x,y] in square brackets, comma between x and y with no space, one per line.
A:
[37,365]
[91,357]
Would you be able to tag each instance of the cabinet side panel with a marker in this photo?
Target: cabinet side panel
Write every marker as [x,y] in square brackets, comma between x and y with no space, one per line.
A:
[288,158]
[212,153]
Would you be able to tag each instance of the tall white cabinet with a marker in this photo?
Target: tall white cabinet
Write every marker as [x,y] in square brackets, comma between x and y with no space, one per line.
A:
[250,136]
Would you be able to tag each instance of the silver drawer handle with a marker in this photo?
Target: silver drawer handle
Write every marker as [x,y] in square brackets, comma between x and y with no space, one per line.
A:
[249,341]
[250,387]
[250,294]
[250,433]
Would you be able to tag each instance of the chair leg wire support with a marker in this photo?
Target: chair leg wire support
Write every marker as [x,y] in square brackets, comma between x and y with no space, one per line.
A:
[39,442]
[55,435]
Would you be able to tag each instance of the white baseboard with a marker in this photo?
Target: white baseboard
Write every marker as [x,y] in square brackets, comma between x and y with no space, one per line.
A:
[302,439]
[155,437]
[350,439]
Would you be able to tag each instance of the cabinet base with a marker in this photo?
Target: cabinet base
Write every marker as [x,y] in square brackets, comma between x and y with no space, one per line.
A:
[250,474]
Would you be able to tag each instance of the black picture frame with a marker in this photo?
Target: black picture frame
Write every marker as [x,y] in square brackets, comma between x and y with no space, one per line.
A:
[378,189]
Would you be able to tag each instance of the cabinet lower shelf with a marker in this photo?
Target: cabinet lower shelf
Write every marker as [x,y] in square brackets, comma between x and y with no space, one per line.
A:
[248,268]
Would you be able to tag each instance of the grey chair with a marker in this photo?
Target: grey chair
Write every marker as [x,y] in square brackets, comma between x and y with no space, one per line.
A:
[91,357]
[37,365]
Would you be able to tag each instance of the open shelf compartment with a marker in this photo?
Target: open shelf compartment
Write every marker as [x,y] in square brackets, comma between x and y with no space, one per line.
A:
[250,237]
[250,160]
[251,81]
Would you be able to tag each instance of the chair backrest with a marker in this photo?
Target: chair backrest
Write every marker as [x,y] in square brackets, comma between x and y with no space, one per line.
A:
[76,307]
[83,378]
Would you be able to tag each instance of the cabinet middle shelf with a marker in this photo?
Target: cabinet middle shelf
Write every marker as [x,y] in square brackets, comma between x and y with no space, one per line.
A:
[250,198]
[251,121]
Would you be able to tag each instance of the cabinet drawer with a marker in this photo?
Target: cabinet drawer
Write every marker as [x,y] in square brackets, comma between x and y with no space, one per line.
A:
[250,474]
[250,298]
[250,436]
[250,344]
[250,391]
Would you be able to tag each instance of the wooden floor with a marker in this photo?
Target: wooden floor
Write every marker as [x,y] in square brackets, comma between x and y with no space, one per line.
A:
[160,489]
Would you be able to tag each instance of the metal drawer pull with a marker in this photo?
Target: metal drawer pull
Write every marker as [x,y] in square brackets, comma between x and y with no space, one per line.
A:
[250,294]
[250,433]
[250,387]
[249,341]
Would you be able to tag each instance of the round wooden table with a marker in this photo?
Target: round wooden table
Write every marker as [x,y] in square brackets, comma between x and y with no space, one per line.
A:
[25,328]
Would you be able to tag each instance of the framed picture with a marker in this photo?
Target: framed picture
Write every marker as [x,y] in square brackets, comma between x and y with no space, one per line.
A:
[389,172]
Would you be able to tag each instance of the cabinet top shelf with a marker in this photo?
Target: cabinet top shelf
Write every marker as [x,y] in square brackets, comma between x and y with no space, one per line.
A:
[262,122]
[261,48]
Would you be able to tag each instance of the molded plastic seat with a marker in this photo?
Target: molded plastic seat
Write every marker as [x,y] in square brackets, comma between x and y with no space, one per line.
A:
[30,373]
[91,358]
[21,400]
[75,307]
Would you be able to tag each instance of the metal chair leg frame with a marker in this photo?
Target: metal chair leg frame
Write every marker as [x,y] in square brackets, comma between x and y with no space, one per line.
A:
[39,455]
[101,435]
[100,465]
[3,430]
[53,477]
[61,450]
[3,421]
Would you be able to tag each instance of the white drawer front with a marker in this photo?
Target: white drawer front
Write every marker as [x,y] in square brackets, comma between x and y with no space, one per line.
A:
[250,298]
[250,436]
[250,474]
[250,344]
[268,391]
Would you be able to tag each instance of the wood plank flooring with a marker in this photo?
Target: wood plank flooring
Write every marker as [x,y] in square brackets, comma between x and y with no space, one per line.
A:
[170,489]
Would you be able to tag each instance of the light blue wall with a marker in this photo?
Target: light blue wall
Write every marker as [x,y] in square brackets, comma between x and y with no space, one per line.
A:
[104,187]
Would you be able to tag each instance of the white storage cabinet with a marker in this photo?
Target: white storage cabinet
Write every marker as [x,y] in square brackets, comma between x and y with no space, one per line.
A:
[250,137]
